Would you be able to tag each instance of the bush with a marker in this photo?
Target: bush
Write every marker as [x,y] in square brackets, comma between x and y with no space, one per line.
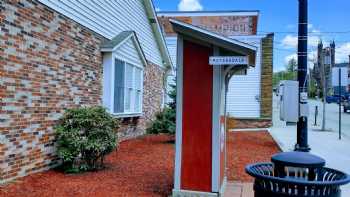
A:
[164,122]
[84,137]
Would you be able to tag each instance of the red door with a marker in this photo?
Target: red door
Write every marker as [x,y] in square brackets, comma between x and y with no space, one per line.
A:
[196,165]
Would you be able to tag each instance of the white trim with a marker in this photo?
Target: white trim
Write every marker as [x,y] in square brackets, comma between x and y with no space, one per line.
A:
[179,93]
[112,82]
[136,44]
[127,61]
[108,49]
[216,94]
[188,193]
[132,101]
[150,9]
[209,13]
[223,186]
[247,36]
[233,41]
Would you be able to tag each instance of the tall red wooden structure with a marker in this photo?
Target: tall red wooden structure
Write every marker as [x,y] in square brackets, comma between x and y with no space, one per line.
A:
[201,91]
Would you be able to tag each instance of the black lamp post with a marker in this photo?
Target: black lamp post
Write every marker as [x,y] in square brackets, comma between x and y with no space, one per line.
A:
[302,144]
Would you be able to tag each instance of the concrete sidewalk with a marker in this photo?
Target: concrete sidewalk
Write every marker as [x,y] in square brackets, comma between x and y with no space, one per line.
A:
[235,189]
[324,144]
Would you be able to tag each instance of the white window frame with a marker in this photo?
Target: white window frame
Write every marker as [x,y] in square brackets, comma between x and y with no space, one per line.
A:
[132,104]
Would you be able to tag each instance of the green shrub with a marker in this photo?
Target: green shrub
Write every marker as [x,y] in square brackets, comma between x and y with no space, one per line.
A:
[164,122]
[84,137]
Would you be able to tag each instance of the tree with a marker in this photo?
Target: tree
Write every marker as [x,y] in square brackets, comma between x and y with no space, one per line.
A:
[292,65]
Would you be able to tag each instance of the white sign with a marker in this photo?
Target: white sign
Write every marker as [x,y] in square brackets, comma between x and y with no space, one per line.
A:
[228,60]
[343,76]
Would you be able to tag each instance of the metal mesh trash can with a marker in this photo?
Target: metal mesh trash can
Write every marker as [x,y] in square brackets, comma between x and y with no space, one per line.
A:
[296,182]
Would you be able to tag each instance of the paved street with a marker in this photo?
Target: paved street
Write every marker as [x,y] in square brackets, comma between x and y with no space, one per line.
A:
[324,144]
[332,117]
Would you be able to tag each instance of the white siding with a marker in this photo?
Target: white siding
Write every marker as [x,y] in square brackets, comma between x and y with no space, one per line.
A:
[128,53]
[243,97]
[111,17]
[171,43]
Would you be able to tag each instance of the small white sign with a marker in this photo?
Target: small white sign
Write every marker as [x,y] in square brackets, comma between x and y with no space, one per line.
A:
[343,76]
[228,60]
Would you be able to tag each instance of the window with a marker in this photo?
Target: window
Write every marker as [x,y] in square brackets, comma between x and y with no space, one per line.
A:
[127,88]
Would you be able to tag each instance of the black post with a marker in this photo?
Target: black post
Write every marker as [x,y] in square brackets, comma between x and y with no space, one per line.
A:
[316,114]
[302,144]
[340,100]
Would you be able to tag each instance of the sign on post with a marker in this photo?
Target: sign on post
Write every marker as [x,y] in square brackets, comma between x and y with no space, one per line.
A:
[343,76]
[228,60]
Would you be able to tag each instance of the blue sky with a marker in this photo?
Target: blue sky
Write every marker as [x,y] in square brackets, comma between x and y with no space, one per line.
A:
[328,20]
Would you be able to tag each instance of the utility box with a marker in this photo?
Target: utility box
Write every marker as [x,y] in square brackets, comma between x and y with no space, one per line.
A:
[289,101]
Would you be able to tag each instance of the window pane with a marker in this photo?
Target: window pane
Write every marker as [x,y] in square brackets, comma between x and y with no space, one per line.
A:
[128,75]
[138,77]
[119,86]
[138,101]
[127,99]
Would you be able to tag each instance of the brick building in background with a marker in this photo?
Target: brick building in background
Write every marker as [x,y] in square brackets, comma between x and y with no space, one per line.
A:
[56,55]
[249,99]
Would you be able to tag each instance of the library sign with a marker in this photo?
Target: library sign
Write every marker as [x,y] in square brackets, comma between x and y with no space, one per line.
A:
[228,60]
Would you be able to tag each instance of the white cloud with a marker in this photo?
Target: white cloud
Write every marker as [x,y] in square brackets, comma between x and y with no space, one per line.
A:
[190,5]
[290,41]
[157,9]
[289,57]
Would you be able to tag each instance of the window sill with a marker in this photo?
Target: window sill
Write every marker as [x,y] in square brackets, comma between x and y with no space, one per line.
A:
[127,115]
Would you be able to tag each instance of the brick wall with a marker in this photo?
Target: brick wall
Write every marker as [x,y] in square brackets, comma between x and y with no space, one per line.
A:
[266,76]
[49,63]
[233,123]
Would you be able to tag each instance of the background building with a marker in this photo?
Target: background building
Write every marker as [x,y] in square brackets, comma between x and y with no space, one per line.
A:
[316,72]
[249,99]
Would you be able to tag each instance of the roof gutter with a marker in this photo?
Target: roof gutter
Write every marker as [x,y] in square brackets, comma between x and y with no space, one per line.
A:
[152,17]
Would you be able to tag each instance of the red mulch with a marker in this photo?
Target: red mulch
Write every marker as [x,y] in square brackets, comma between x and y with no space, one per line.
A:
[245,148]
[141,167]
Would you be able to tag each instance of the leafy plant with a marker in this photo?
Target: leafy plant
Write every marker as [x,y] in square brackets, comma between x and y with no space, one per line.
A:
[165,121]
[84,137]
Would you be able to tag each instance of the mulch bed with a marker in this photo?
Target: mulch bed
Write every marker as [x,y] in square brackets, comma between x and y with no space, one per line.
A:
[245,148]
[141,167]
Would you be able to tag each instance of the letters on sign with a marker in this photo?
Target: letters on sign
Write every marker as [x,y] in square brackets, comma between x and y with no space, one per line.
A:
[228,60]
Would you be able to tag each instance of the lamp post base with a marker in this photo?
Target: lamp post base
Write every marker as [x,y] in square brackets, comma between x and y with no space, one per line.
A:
[299,148]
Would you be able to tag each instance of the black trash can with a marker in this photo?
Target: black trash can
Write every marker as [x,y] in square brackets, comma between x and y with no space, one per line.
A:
[296,181]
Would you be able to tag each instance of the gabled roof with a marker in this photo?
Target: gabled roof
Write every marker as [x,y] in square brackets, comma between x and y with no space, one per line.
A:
[120,39]
[215,39]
